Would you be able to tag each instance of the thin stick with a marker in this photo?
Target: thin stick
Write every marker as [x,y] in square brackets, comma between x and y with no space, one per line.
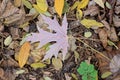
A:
[94,49]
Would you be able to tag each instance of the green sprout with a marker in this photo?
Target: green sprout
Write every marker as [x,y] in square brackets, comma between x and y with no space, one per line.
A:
[87,71]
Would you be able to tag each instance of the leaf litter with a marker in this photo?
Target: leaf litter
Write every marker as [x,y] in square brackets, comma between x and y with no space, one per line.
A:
[52,54]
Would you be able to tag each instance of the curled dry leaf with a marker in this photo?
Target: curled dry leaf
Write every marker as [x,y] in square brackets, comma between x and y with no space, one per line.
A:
[9,10]
[115,63]
[116,21]
[91,10]
[106,24]
[113,36]
[103,37]
[24,54]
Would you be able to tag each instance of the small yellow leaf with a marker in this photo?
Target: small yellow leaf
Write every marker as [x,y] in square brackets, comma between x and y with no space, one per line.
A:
[87,34]
[88,23]
[8,40]
[57,63]
[106,74]
[75,5]
[83,4]
[79,14]
[17,3]
[41,6]
[27,4]
[38,65]
[23,54]
[100,3]
[59,4]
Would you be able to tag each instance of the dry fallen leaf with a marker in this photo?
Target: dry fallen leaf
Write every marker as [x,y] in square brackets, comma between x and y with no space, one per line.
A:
[17,3]
[8,40]
[100,3]
[59,4]
[41,6]
[88,23]
[91,10]
[113,36]
[115,64]
[103,37]
[38,65]
[82,4]
[57,63]
[24,54]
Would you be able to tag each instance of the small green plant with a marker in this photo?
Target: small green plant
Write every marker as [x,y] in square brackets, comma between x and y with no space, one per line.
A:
[87,71]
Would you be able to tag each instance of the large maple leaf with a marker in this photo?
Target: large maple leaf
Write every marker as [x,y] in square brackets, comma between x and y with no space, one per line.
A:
[59,37]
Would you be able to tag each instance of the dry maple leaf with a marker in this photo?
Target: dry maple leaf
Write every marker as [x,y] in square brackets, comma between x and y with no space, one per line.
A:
[60,37]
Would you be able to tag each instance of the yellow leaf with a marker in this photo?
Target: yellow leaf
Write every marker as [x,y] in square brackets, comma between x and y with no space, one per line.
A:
[23,54]
[38,65]
[59,4]
[79,14]
[27,4]
[75,5]
[88,23]
[100,3]
[57,63]
[82,4]
[17,3]
[41,6]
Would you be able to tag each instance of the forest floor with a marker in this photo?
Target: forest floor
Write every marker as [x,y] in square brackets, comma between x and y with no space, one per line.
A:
[87,33]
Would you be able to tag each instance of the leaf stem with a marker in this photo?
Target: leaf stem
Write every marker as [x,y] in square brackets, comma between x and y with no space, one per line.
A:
[94,49]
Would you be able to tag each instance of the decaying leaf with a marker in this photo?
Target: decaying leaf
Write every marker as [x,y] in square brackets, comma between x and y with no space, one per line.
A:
[87,34]
[8,40]
[91,10]
[17,3]
[103,37]
[9,10]
[115,63]
[100,3]
[41,6]
[60,37]
[57,63]
[106,74]
[116,21]
[88,23]
[72,44]
[108,5]
[38,65]
[59,4]
[112,44]
[79,14]
[27,4]
[113,36]
[24,54]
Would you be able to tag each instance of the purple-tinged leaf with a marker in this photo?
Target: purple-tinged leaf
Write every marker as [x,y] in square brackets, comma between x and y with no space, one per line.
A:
[60,37]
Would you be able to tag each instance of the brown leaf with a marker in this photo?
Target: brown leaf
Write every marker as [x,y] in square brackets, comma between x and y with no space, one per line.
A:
[103,37]
[24,54]
[92,11]
[116,21]
[106,24]
[9,10]
[3,6]
[113,36]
